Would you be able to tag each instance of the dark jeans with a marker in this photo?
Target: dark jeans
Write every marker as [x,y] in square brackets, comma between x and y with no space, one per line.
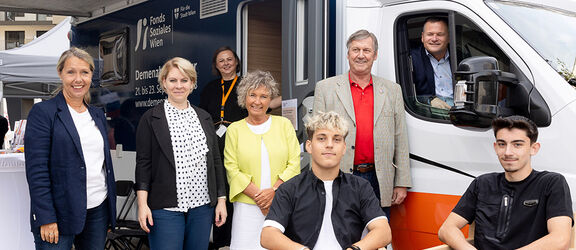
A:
[373,179]
[92,237]
[178,230]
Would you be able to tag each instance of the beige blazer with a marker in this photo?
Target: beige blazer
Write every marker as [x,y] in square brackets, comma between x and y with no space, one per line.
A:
[391,153]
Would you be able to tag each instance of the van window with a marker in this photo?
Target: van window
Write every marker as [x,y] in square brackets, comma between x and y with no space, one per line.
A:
[553,38]
[466,40]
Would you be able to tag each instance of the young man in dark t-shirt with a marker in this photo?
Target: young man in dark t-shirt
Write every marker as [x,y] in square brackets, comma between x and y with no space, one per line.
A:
[520,208]
[324,208]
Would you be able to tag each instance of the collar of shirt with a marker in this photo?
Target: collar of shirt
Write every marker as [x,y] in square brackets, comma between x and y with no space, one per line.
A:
[310,174]
[356,84]
[173,109]
[433,59]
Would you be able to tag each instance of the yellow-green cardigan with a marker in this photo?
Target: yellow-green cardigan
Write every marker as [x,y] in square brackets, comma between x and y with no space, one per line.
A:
[242,157]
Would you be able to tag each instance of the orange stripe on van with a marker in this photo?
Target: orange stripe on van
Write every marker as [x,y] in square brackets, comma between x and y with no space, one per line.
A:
[415,223]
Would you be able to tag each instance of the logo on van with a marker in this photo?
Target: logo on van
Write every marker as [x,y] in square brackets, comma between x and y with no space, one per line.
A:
[142,23]
[152,31]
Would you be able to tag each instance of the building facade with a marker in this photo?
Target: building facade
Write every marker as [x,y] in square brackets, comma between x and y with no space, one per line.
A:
[17,29]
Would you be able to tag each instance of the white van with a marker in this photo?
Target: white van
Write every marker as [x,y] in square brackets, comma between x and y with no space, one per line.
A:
[535,41]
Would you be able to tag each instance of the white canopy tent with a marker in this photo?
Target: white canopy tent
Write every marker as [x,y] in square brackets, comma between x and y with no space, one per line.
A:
[30,71]
[81,9]
[35,81]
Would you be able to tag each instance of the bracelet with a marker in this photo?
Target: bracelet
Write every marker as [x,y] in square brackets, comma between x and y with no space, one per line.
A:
[354,247]
[305,248]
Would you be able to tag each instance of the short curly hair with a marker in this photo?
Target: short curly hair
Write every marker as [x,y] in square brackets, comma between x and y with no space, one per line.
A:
[253,80]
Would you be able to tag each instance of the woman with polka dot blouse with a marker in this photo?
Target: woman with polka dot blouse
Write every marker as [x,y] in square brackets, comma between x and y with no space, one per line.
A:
[179,173]
[261,152]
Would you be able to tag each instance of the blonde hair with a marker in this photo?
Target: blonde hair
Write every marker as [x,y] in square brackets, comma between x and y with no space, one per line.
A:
[329,120]
[184,66]
[80,54]
[253,80]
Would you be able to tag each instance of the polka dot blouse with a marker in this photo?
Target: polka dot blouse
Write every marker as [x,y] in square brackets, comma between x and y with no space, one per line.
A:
[190,149]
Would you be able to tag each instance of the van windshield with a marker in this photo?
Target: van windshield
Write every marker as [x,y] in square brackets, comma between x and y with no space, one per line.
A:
[551,31]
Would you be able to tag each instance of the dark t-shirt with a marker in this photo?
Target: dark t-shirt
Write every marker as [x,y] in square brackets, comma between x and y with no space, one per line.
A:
[510,215]
[299,207]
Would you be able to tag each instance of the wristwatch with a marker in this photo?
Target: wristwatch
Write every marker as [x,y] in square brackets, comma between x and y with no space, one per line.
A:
[429,102]
[354,247]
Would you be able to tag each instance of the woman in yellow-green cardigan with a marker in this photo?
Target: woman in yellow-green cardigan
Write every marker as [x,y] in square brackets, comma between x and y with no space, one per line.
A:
[261,153]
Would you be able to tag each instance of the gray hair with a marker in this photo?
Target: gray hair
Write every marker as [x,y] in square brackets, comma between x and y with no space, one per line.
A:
[361,35]
[253,80]
[329,120]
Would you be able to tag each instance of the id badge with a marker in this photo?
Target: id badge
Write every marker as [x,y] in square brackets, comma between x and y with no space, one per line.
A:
[221,130]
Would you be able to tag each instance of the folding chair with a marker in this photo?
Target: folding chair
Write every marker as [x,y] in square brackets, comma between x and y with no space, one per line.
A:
[126,231]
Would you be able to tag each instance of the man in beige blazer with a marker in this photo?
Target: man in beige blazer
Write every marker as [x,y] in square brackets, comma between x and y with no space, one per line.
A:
[377,146]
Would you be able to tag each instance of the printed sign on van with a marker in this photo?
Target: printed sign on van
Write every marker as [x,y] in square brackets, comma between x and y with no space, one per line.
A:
[183,12]
[153,32]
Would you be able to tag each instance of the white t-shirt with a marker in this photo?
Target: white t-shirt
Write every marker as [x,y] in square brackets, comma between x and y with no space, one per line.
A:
[327,239]
[93,151]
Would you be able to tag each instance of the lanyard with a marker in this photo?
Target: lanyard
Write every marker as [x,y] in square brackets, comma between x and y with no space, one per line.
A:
[225,96]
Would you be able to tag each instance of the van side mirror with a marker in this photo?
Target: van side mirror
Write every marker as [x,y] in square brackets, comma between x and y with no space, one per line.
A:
[477,93]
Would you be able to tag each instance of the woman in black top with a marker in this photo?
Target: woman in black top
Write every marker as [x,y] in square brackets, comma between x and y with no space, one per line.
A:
[220,99]
[221,92]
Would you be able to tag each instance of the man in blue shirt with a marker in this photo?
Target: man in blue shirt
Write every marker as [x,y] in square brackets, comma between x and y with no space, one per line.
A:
[324,208]
[431,73]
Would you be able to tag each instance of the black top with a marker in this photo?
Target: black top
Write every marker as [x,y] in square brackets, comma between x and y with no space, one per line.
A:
[3,129]
[211,100]
[510,215]
[155,166]
[299,207]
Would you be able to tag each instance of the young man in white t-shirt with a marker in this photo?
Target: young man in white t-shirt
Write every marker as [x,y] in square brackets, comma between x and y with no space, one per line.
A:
[300,218]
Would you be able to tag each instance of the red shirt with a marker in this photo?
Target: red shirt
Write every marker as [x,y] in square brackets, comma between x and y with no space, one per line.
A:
[364,111]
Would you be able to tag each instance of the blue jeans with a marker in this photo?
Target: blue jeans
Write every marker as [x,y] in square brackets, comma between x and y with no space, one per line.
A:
[373,179]
[178,230]
[92,237]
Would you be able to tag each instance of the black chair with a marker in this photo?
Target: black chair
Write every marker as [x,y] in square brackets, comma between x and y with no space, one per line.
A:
[127,234]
